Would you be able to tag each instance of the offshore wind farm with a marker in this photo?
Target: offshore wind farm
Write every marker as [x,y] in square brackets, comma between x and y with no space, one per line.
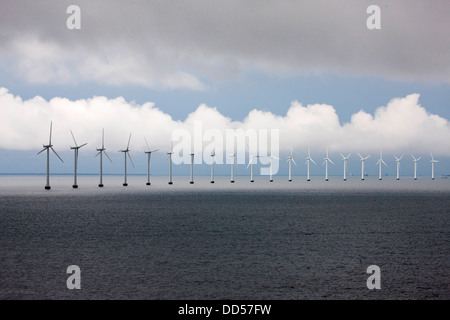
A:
[224,150]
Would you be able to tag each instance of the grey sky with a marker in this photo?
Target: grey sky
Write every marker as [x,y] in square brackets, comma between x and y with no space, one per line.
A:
[176,43]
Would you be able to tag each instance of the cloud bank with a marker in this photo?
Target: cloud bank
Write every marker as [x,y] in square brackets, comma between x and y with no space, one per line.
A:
[190,43]
[402,126]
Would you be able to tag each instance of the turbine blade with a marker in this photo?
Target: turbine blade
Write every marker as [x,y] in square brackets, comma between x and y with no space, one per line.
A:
[129,139]
[384,163]
[294,161]
[57,154]
[360,156]
[432,157]
[73,137]
[50,139]
[41,151]
[343,158]
[82,145]
[313,161]
[97,154]
[148,148]
[154,150]
[130,159]
[103,138]
[331,161]
[107,156]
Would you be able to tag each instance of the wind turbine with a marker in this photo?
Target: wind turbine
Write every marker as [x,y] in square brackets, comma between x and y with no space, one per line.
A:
[250,164]
[100,152]
[169,156]
[433,161]
[308,159]
[233,155]
[362,164]
[379,163]
[125,153]
[47,148]
[325,162]
[290,159]
[192,154]
[345,164]
[213,158]
[415,166]
[149,154]
[398,165]
[75,149]
[271,157]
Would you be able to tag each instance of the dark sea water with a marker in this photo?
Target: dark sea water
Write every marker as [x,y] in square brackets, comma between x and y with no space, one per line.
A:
[264,240]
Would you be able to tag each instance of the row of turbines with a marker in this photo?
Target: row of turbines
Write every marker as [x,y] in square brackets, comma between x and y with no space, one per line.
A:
[290,160]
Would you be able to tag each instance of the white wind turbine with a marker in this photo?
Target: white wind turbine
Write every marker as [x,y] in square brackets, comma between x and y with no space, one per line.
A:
[271,157]
[213,159]
[433,161]
[290,159]
[47,148]
[415,166]
[100,152]
[149,154]
[398,165]
[308,159]
[169,157]
[345,159]
[363,159]
[75,149]
[250,164]
[192,154]
[234,164]
[379,163]
[125,153]
[325,162]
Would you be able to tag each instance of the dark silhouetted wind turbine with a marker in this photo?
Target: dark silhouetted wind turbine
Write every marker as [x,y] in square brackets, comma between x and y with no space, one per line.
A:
[75,166]
[47,148]
[149,153]
[125,153]
[100,152]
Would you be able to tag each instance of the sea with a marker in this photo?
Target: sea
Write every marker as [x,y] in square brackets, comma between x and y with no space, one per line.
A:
[283,240]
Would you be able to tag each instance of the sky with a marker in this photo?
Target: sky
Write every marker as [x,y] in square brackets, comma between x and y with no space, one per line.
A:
[305,73]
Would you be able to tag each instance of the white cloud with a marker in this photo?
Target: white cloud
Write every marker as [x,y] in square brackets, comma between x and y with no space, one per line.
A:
[403,125]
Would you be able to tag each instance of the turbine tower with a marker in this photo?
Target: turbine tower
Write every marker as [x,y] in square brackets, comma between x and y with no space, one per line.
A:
[415,166]
[233,155]
[290,159]
[345,165]
[75,149]
[192,168]
[271,157]
[149,154]
[325,162]
[169,156]
[100,152]
[250,164]
[398,165]
[125,153]
[47,148]
[213,158]
[363,159]
[433,161]
[308,159]
[379,163]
